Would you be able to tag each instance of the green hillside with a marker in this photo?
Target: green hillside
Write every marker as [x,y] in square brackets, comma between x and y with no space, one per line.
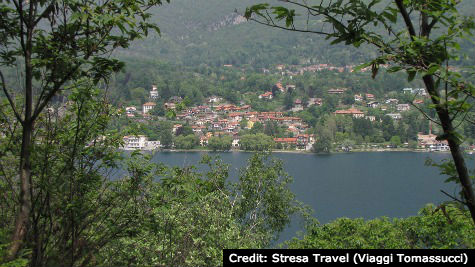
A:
[211,32]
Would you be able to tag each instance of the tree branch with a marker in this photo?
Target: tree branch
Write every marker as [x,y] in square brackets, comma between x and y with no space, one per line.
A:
[10,100]
[406,17]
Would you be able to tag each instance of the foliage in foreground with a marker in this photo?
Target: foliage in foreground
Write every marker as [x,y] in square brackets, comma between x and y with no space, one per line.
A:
[440,227]
[189,217]
[93,206]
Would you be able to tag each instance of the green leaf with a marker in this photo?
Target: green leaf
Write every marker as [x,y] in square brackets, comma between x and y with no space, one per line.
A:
[411,74]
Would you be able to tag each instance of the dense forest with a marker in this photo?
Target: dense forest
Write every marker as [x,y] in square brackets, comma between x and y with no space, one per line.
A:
[80,79]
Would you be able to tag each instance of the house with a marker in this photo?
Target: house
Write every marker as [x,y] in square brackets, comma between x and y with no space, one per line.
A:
[280,87]
[134,142]
[392,101]
[394,116]
[214,99]
[415,91]
[175,99]
[154,92]
[147,107]
[204,140]
[314,101]
[235,116]
[267,96]
[369,96]
[169,105]
[198,128]
[297,105]
[403,107]
[130,111]
[286,142]
[305,141]
[430,141]
[358,98]
[419,91]
[235,142]
[141,142]
[372,104]
[352,111]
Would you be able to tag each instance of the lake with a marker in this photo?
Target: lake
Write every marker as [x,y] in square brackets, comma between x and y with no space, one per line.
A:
[363,184]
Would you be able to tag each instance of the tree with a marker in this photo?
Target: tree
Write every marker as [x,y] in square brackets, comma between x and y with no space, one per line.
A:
[186,141]
[72,193]
[256,142]
[187,218]
[185,130]
[158,110]
[395,141]
[257,128]
[387,126]
[166,137]
[139,95]
[271,128]
[435,228]
[323,143]
[220,143]
[55,43]
[289,99]
[425,45]
[243,123]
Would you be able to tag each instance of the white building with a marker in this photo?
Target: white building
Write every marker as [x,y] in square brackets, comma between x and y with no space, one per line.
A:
[395,116]
[214,99]
[415,91]
[154,92]
[403,107]
[235,142]
[139,142]
[134,142]
[392,101]
[130,111]
[148,107]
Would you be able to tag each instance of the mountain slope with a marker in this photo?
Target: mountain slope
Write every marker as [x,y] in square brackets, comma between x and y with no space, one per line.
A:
[210,32]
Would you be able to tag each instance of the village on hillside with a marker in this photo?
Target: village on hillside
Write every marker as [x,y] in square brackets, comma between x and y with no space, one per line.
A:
[216,120]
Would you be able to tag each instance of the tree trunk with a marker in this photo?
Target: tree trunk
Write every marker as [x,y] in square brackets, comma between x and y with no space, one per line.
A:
[21,221]
[455,150]
[25,201]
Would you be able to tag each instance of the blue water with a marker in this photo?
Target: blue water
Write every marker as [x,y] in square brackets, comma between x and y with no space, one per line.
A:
[368,185]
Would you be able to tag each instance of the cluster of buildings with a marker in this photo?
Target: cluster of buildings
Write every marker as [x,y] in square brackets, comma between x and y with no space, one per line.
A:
[214,119]
[294,70]
[229,119]
[369,101]
[430,142]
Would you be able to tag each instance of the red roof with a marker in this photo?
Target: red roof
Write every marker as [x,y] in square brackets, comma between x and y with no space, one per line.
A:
[349,111]
[286,140]
[150,104]
[266,94]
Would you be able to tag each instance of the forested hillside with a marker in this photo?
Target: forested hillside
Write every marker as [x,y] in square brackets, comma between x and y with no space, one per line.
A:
[198,37]
[211,32]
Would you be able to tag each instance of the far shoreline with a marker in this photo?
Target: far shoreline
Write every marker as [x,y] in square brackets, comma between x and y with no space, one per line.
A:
[470,152]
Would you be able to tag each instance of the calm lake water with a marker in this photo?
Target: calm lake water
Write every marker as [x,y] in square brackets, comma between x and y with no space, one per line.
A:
[368,185]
